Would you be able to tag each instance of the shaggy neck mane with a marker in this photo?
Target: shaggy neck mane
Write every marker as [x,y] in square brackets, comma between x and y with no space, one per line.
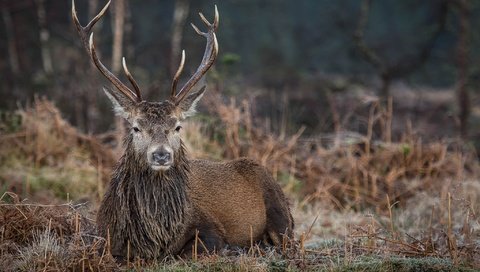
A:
[156,202]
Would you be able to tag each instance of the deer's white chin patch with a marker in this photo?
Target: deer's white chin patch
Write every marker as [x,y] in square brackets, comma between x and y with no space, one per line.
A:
[160,167]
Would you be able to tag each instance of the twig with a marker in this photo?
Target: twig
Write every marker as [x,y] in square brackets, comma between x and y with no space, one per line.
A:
[73,206]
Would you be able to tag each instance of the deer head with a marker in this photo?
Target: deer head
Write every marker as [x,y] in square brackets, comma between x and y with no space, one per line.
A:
[155,126]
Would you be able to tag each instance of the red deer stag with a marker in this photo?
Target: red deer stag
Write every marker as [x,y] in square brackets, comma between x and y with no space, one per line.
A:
[160,202]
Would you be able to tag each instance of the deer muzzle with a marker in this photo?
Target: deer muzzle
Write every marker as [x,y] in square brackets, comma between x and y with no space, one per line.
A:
[161,158]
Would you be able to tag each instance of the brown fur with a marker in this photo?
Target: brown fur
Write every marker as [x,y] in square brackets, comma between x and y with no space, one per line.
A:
[158,212]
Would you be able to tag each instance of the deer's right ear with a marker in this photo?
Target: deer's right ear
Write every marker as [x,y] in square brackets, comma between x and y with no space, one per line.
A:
[188,105]
[122,106]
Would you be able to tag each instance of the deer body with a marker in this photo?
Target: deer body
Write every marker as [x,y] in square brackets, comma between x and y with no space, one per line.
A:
[159,202]
[160,215]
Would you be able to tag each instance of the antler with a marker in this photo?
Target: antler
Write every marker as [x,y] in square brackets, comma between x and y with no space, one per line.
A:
[84,32]
[211,52]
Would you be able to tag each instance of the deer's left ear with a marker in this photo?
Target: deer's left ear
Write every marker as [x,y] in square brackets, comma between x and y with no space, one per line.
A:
[187,106]
[122,106]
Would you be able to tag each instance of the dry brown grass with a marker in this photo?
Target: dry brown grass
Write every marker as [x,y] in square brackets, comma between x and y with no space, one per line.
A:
[38,237]
[430,224]
[61,237]
[45,153]
[351,176]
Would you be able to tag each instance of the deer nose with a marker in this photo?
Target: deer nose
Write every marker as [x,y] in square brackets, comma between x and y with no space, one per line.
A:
[161,157]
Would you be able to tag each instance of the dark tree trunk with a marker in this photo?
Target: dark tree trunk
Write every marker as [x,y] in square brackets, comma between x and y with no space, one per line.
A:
[179,16]
[128,29]
[463,97]
[118,31]
[11,42]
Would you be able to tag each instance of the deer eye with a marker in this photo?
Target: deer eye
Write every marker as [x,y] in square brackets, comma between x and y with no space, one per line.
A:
[177,129]
[136,129]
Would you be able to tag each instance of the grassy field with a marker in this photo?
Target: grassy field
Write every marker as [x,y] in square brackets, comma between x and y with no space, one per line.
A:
[359,204]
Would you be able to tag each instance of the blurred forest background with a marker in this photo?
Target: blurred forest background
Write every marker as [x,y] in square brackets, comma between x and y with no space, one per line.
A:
[309,63]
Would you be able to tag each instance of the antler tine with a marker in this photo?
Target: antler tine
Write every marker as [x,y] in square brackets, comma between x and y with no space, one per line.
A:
[205,21]
[177,75]
[131,79]
[215,19]
[211,52]
[84,32]
[109,75]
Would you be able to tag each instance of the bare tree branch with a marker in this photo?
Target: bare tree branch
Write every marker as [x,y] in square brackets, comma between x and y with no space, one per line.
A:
[406,65]
[369,55]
